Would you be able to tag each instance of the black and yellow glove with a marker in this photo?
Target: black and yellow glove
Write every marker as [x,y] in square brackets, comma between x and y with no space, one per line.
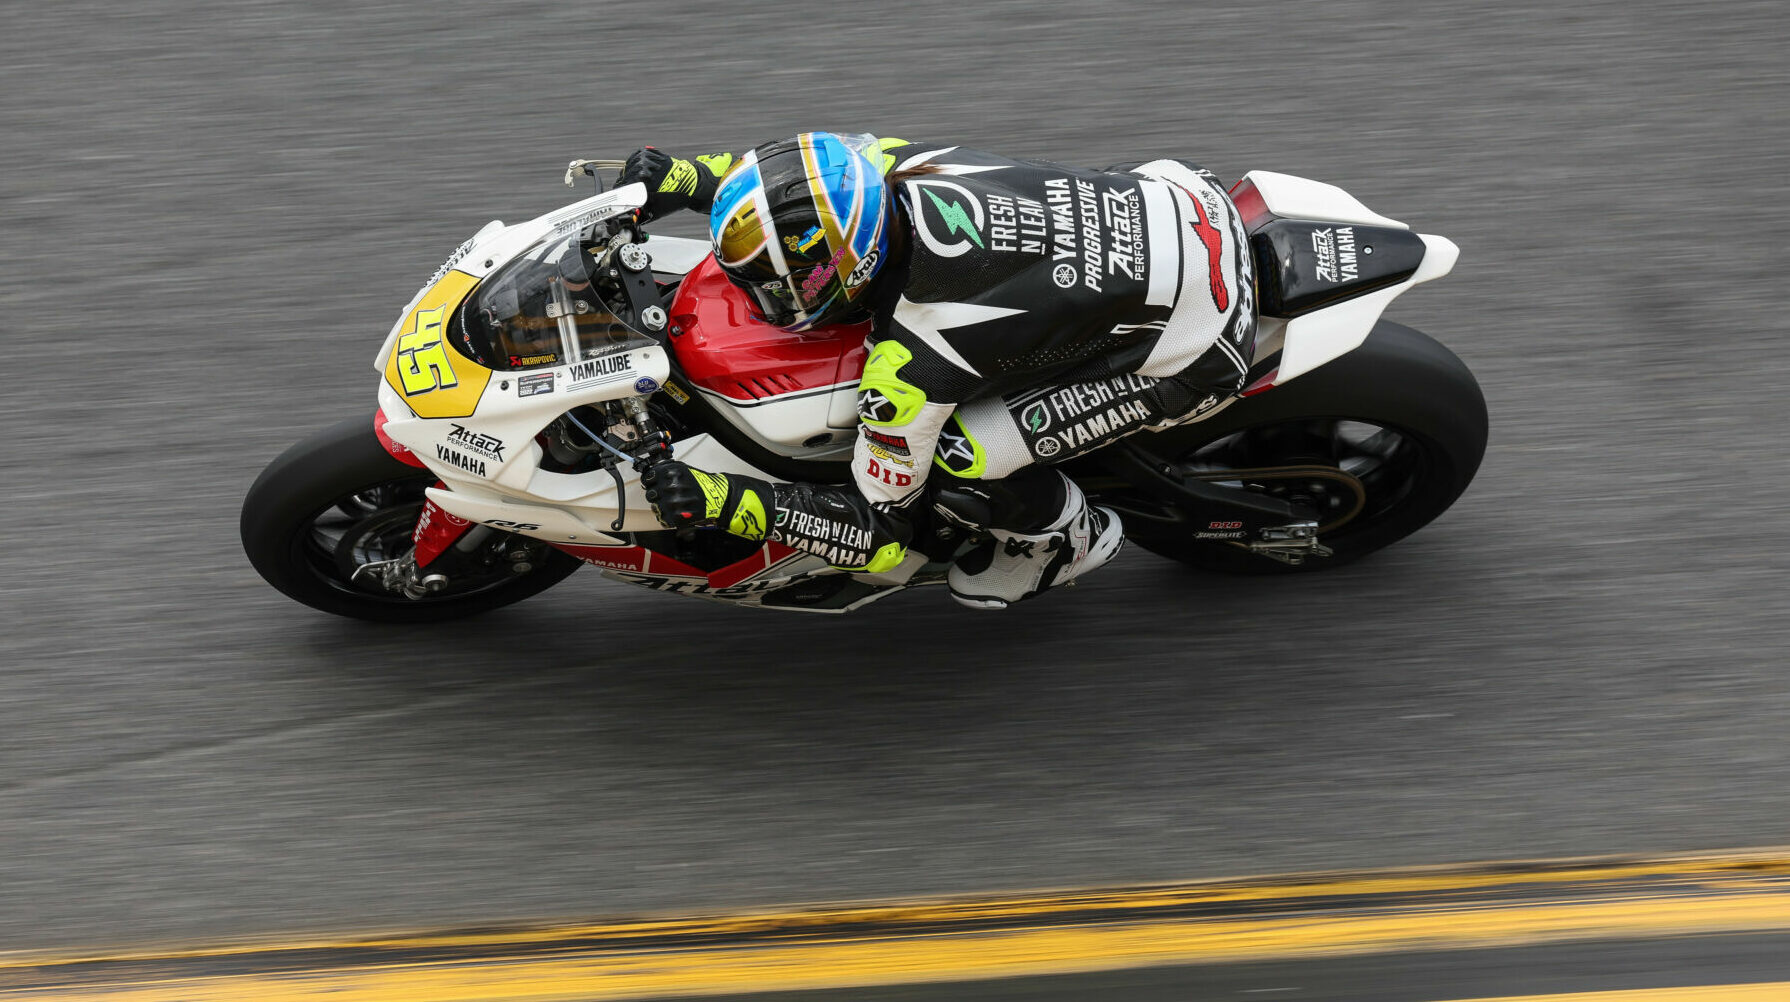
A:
[683,496]
[673,184]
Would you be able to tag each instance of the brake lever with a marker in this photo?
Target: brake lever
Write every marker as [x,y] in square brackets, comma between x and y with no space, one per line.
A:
[589,169]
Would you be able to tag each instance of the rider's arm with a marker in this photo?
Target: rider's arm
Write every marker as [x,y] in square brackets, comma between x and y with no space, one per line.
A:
[834,523]
[673,183]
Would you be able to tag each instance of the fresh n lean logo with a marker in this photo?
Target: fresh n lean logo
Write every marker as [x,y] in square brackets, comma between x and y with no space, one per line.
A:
[958,212]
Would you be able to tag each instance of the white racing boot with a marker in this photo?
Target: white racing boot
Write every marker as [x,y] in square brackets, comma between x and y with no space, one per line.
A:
[1013,566]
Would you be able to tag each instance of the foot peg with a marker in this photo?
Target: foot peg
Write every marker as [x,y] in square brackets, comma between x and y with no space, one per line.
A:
[1290,544]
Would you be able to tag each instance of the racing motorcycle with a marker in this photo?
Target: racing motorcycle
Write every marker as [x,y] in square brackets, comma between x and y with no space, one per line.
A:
[492,471]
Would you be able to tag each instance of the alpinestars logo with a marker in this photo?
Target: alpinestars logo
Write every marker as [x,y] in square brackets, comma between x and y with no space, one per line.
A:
[955,452]
[1213,240]
[958,221]
[873,406]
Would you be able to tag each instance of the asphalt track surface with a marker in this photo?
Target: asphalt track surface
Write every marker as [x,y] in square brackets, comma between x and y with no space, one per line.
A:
[212,212]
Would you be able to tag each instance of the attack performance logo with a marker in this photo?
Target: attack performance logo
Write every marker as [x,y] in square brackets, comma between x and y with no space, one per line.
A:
[948,218]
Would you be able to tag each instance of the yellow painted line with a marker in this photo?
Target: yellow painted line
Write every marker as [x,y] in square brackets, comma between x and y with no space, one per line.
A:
[1777,991]
[1312,915]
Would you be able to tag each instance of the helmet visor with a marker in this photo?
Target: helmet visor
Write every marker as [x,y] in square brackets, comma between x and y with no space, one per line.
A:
[786,302]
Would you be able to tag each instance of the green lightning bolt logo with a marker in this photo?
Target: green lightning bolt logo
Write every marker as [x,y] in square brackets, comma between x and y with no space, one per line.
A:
[957,220]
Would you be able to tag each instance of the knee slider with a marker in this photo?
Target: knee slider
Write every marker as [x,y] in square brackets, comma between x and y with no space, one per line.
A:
[964,505]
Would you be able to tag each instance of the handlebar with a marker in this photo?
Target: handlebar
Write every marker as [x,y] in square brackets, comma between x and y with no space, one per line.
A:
[589,169]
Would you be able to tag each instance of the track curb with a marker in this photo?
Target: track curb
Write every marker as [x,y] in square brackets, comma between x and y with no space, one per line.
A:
[1481,905]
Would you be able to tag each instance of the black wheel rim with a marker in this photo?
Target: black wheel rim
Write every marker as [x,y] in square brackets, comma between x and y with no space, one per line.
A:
[374,524]
[1390,465]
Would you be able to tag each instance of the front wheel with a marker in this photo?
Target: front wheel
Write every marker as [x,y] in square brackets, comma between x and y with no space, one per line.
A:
[337,502]
[1381,440]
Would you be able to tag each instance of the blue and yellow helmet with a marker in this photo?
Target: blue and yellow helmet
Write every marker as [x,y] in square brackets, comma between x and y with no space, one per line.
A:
[802,225]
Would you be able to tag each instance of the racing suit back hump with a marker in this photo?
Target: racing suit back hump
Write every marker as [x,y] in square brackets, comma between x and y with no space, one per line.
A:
[1024,274]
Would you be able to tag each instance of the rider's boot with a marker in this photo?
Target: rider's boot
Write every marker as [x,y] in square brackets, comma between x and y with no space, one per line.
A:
[1041,533]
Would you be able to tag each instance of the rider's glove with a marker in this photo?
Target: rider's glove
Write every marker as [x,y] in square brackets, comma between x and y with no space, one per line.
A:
[673,184]
[685,496]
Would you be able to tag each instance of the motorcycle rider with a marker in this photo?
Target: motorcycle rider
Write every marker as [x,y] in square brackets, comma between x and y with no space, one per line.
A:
[1023,312]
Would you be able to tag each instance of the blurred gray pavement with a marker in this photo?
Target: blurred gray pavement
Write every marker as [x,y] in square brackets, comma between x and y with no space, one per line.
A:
[211,212]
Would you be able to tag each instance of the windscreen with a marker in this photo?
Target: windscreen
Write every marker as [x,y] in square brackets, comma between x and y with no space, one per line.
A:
[545,308]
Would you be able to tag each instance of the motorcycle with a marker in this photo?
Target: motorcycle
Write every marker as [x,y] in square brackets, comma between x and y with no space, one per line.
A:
[492,472]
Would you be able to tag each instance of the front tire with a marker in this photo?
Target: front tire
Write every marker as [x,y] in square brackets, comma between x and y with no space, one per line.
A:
[337,498]
[1401,414]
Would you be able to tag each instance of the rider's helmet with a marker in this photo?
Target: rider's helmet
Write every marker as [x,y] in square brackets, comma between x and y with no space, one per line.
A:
[802,225]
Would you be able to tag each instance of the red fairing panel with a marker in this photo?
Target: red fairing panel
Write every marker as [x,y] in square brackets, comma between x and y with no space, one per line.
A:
[630,558]
[1250,206]
[724,350]
[401,453]
[641,560]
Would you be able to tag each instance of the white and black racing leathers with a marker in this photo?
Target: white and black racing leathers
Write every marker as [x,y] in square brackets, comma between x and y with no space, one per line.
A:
[1030,312]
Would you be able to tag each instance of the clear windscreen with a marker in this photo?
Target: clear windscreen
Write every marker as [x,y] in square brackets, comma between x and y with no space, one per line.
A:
[546,307]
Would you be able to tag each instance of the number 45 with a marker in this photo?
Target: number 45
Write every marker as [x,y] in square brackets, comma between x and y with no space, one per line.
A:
[422,358]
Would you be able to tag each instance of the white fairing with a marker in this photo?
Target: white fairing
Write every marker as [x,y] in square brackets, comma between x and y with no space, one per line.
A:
[495,445]
[492,453]
[493,246]
[1311,340]
[1315,338]
[489,461]
[578,508]
[676,255]
[1291,197]
[820,424]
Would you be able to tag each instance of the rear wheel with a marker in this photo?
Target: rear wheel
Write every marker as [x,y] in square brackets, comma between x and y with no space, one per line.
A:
[1381,441]
[337,503]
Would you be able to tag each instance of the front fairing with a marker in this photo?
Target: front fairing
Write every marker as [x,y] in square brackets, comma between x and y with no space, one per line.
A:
[476,425]
[496,245]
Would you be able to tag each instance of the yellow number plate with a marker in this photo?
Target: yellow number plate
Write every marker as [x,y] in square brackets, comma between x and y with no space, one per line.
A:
[436,381]
[422,359]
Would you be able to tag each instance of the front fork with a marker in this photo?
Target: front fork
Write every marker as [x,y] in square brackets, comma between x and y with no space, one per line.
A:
[423,571]
[436,530]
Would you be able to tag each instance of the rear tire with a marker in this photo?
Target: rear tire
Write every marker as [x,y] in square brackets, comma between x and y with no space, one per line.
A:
[339,482]
[1401,412]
